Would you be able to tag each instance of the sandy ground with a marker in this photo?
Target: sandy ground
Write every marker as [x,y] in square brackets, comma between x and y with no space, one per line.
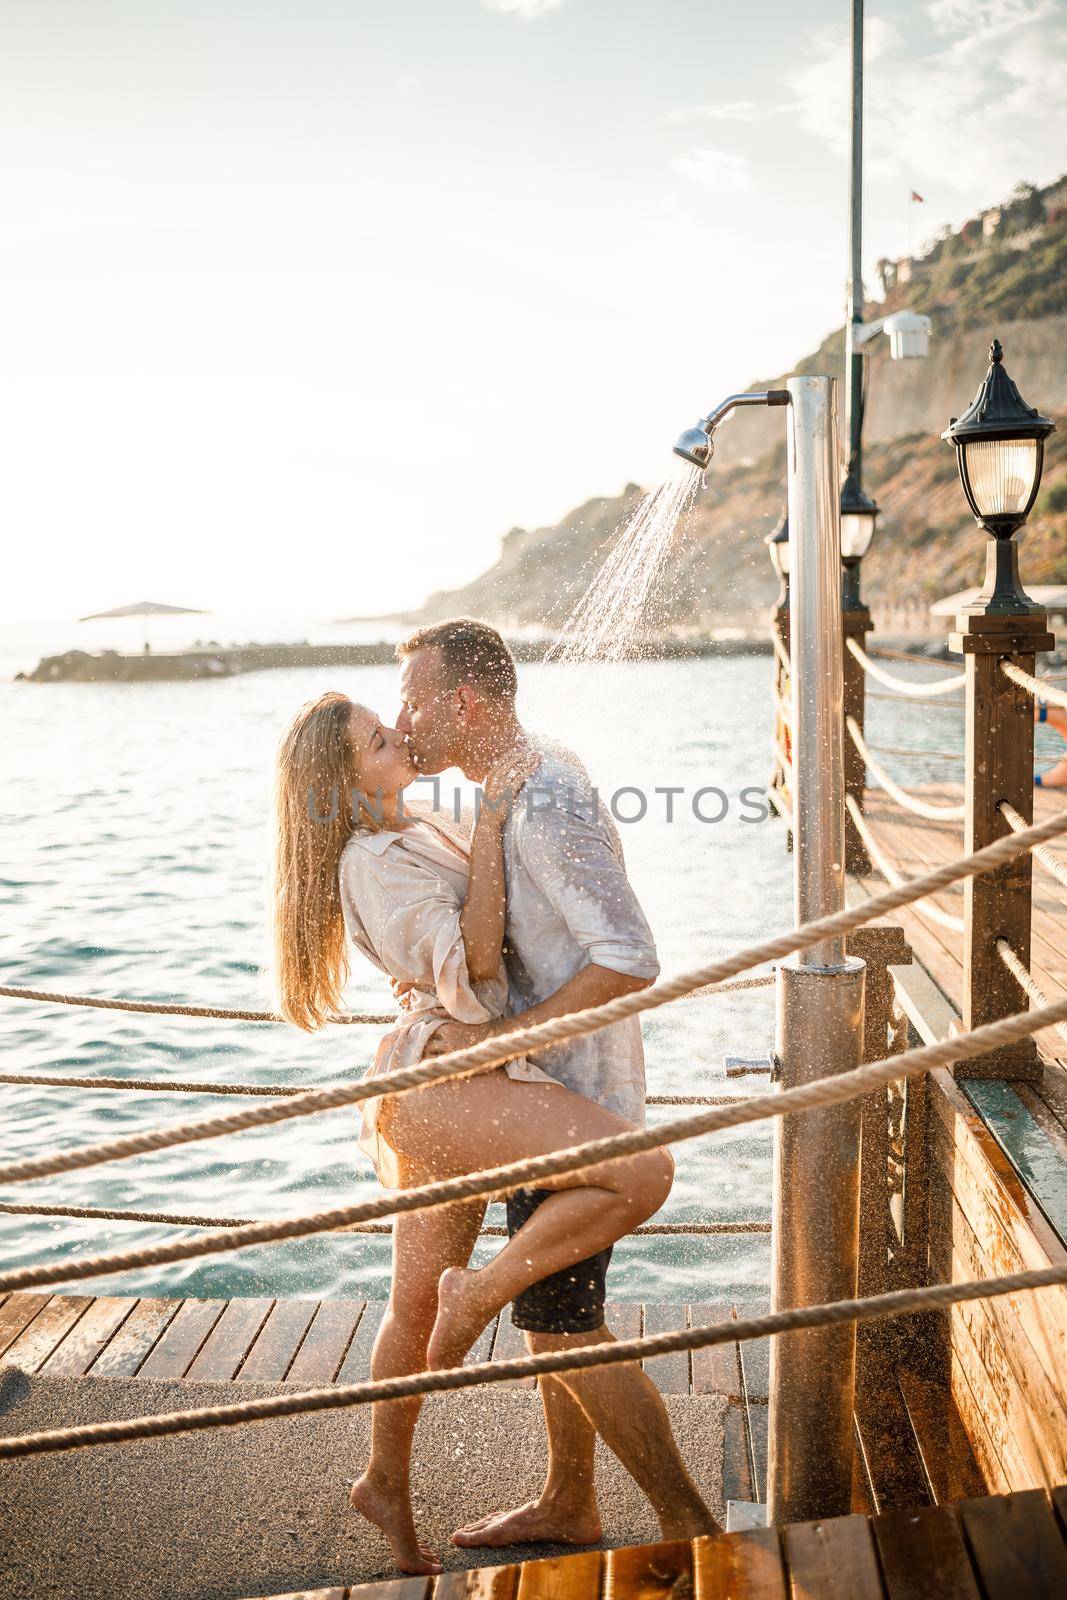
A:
[262,1509]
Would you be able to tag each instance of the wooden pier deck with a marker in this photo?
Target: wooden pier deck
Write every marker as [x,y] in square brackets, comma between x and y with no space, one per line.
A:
[1010,1547]
[308,1343]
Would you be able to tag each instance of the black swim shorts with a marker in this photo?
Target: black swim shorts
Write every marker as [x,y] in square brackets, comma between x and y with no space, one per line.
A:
[570,1301]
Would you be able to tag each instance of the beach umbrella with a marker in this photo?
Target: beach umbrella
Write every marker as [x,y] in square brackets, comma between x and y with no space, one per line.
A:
[146,609]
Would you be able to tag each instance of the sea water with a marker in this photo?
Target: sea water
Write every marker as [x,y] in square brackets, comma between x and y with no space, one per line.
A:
[135,842]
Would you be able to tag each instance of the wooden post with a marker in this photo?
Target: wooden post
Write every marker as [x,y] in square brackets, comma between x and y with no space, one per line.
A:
[999,766]
[855,625]
[880,946]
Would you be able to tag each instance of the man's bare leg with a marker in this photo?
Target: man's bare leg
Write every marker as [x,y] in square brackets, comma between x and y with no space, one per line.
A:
[627,1410]
[566,1511]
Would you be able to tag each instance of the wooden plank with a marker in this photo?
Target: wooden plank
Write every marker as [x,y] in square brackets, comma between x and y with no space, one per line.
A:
[326,1343]
[717,1368]
[485,1583]
[1009,1357]
[832,1559]
[669,1373]
[563,1578]
[392,1589]
[1058,1496]
[1006,1241]
[1041,1166]
[736,1455]
[758,1436]
[952,1473]
[75,1354]
[125,1352]
[508,1344]
[356,1365]
[894,1468]
[651,1571]
[923,1554]
[971,1405]
[177,1349]
[37,1341]
[229,1341]
[277,1342]
[1016,1546]
[17,1312]
[755,1362]
[624,1318]
[739,1566]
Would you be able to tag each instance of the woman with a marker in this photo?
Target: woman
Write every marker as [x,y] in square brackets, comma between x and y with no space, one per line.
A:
[429,910]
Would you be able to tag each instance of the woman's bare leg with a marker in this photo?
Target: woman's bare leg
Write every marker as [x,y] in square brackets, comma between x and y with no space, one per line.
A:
[425,1243]
[492,1119]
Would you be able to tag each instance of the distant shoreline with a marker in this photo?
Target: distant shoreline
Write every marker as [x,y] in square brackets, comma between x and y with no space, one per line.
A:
[112,666]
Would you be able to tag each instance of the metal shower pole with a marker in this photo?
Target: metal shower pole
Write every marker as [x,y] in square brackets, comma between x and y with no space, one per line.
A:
[815,1237]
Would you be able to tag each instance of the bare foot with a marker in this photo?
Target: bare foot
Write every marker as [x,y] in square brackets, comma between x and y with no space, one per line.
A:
[393,1516]
[461,1317]
[540,1522]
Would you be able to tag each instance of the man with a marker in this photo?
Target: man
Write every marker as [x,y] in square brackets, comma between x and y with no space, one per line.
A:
[575,937]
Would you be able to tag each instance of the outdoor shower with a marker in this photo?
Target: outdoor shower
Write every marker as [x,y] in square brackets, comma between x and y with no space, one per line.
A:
[697,446]
[819,1029]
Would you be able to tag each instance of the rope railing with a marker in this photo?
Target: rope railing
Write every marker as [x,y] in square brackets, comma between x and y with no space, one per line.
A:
[921,808]
[105,1003]
[1025,978]
[882,652]
[933,913]
[904,686]
[777,800]
[497,1181]
[781,652]
[490,1231]
[494,1052]
[898,1302]
[916,700]
[267,1091]
[1041,853]
[1040,687]
[917,754]
[161,1008]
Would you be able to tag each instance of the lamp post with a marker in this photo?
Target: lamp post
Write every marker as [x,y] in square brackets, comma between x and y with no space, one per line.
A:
[999,443]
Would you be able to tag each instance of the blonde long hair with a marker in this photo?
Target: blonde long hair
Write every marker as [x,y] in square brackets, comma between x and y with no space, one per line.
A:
[315,793]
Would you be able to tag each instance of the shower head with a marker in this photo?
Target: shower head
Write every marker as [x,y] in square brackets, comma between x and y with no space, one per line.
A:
[696,446]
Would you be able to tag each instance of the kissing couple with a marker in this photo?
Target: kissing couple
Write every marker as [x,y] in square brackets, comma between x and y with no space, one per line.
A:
[526,916]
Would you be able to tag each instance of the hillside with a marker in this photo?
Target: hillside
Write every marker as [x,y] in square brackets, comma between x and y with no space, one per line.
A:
[1003,273]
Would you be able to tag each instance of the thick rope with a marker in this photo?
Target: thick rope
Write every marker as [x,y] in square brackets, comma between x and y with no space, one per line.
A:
[499,1180]
[913,691]
[168,1218]
[938,705]
[263,1091]
[890,873]
[922,808]
[899,1302]
[162,1009]
[1037,686]
[882,652]
[1025,978]
[574,1025]
[917,755]
[1041,852]
[781,652]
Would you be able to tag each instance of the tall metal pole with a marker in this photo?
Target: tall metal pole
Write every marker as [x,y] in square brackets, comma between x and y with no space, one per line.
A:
[853,358]
[855,617]
[820,1009]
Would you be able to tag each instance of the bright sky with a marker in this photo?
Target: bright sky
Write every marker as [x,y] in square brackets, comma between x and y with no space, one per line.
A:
[303,303]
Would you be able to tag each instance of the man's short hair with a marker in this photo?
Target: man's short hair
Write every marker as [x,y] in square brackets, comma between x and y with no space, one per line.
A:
[471,652]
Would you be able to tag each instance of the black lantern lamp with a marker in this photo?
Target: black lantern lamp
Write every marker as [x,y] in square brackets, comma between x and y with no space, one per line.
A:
[858,517]
[778,549]
[1000,445]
